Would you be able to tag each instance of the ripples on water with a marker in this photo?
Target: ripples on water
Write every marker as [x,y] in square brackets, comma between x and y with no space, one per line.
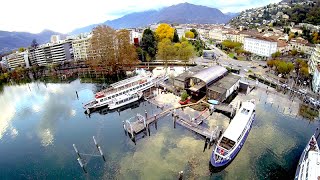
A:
[39,125]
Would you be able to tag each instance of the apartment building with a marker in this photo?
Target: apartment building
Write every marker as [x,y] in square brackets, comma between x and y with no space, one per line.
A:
[301,45]
[314,60]
[51,53]
[316,80]
[17,59]
[81,47]
[261,46]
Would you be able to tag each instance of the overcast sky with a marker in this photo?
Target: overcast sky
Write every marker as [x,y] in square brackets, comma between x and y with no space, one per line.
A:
[65,15]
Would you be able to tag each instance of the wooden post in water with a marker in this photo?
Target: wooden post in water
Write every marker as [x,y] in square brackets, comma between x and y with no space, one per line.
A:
[124,128]
[146,114]
[155,122]
[174,120]
[99,148]
[77,95]
[180,175]
[81,165]
[75,149]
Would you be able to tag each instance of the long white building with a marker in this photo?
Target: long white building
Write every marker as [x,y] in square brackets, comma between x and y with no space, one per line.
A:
[314,61]
[316,80]
[51,53]
[260,46]
[17,59]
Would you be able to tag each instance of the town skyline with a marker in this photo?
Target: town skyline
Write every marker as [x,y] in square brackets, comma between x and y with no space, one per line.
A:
[101,11]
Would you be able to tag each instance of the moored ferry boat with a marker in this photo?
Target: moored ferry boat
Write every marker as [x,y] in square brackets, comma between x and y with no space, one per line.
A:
[309,163]
[124,100]
[131,85]
[233,139]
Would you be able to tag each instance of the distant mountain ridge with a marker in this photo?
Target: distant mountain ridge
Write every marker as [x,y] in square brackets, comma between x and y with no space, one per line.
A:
[13,40]
[180,13]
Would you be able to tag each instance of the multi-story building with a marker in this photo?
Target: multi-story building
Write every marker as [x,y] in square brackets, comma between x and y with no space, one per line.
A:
[135,36]
[17,59]
[51,53]
[301,45]
[261,46]
[81,47]
[314,61]
[316,80]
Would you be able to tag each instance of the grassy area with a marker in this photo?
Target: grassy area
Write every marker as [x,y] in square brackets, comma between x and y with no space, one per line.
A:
[231,55]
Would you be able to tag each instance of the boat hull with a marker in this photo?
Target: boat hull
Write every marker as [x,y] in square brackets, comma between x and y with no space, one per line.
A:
[219,166]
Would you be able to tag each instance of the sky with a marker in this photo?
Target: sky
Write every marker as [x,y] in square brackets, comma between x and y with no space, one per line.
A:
[66,15]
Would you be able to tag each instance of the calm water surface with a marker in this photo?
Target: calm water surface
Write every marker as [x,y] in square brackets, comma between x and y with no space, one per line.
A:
[39,123]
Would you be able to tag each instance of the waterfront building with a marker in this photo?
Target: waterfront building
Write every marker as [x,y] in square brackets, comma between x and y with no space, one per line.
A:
[261,46]
[316,80]
[214,82]
[80,46]
[17,59]
[51,53]
[314,61]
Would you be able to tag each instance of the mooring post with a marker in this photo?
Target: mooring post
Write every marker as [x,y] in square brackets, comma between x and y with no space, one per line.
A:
[124,128]
[81,165]
[205,145]
[180,175]
[75,149]
[174,120]
[148,129]
[101,153]
[77,95]
[95,142]
[155,121]
[146,114]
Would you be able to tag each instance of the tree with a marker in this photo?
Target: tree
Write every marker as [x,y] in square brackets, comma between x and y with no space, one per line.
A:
[126,52]
[194,32]
[175,36]
[276,54]
[34,44]
[164,31]
[110,50]
[21,49]
[165,50]
[294,52]
[183,51]
[149,43]
[189,34]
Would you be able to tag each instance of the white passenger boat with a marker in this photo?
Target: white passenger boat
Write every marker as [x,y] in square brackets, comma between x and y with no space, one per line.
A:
[233,139]
[309,163]
[124,100]
[131,85]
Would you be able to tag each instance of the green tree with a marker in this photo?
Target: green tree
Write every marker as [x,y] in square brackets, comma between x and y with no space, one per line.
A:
[21,49]
[164,31]
[165,50]
[294,52]
[149,43]
[175,37]
[194,32]
[189,34]
[276,54]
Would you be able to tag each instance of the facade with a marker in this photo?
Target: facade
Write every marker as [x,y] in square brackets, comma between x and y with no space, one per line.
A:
[314,61]
[51,53]
[301,45]
[217,34]
[316,80]
[260,46]
[135,36]
[17,59]
[81,47]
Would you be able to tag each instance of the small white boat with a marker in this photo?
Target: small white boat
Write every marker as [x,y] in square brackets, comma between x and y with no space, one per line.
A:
[124,100]
[309,163]
[233,139]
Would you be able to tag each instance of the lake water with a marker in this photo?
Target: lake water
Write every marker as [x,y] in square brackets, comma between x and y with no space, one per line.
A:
[39,123]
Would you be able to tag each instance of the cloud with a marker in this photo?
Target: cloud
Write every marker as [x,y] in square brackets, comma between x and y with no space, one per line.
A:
[64,16]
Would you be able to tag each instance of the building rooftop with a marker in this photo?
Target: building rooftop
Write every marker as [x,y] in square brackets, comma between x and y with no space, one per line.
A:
[210,74]
[188,73]
[225,83]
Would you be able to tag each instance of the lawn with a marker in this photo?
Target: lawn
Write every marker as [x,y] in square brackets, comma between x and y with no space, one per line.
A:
[231,55]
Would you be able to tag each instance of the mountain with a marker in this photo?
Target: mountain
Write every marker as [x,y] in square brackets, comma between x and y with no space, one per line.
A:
[180,13]
[13,40]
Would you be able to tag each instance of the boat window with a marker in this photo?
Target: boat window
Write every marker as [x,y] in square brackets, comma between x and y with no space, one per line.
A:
[113,96]
[101,100]
[226,143]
